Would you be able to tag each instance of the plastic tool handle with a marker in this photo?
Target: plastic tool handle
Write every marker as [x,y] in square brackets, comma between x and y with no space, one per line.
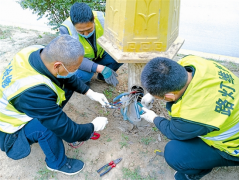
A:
[102,168]
[113,165]
[106,171]
[158,152]
[95,136]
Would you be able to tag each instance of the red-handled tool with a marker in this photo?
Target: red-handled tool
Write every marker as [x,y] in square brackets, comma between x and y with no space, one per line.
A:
[111,165]
[95,136]
[77,144]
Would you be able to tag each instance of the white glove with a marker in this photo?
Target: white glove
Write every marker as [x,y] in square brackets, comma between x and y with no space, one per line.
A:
[99,123]
[97,97]
[148,115]
[147,101]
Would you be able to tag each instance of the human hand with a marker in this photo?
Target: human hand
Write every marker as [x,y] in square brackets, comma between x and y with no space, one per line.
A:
[99,123]
[110,76]
[147,101]
[148,115]
[95,96]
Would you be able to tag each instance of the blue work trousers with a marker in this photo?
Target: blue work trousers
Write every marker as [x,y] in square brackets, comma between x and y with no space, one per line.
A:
[194,157]
[51,144]
[106,60]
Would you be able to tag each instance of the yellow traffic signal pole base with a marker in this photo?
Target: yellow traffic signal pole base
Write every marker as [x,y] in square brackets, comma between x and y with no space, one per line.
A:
[137,60]
[135,31]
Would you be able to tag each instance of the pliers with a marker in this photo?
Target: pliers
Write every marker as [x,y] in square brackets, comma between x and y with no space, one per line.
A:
[77,144]
[112,164]
[95,136]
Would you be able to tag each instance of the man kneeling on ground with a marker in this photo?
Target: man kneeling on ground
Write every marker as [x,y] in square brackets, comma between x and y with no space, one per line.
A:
[35,87]
[203,100]
[87,26]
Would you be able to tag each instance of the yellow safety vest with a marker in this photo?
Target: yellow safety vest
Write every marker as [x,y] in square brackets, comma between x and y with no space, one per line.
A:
[99,30]
[212,99]
[18,77]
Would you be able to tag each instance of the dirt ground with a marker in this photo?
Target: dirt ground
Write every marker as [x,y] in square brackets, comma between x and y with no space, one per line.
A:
[118,139]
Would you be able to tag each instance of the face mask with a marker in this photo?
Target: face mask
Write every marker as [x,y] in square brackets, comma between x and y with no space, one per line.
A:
[68,75]
[87,36]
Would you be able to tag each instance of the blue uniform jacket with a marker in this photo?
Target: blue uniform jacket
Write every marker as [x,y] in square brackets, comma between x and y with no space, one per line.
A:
[178,129]
[40,102]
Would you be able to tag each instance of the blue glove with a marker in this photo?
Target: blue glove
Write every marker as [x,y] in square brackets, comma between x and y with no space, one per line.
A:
[110,76]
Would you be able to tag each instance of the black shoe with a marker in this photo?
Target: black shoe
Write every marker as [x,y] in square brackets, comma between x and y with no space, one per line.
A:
[180,176]
[72,167]
[100,78]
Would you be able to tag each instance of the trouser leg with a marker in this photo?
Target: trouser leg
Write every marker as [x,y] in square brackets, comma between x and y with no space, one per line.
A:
[84,76]
[51,145]
[194,157]
[108,61]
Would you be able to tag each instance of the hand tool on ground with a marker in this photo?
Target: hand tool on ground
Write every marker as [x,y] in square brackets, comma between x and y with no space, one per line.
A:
[111,165]
[95,136]
[157,153]
[77,144]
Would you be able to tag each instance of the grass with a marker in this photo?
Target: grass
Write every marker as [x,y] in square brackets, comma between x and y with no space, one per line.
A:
[135,175]
[124,142]
[147,140]
[4,34]
[105,113]
[44,174]
[83,114]
[109,92]
[125,137]
[76,153]
[155,129]
[109,139]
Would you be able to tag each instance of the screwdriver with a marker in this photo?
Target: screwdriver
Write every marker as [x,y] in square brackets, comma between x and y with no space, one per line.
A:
[157,153]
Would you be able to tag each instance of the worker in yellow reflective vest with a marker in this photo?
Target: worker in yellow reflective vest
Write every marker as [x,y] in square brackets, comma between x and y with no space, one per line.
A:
[34,88]
[87,26]
[202,98]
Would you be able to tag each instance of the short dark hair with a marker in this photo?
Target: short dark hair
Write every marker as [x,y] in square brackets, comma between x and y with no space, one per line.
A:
[64,48]
[163,75]
[81,13]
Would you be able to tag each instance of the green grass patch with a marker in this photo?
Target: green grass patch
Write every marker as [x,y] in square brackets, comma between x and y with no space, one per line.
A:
[135,175]
[147,140]
[44,174]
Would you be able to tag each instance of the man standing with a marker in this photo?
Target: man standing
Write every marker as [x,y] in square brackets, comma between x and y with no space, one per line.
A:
[203,100]
[87,26]
[35,86]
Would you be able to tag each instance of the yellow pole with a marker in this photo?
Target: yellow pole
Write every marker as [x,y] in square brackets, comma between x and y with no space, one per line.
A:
[136,31]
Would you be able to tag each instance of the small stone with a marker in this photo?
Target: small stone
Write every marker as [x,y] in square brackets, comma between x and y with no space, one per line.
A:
[122,129]
[130,127]
[159,138]
[141,128]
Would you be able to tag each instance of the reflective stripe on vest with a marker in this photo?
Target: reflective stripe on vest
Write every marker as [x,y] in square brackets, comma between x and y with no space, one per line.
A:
[99,30]
[17,78]
[211,99]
